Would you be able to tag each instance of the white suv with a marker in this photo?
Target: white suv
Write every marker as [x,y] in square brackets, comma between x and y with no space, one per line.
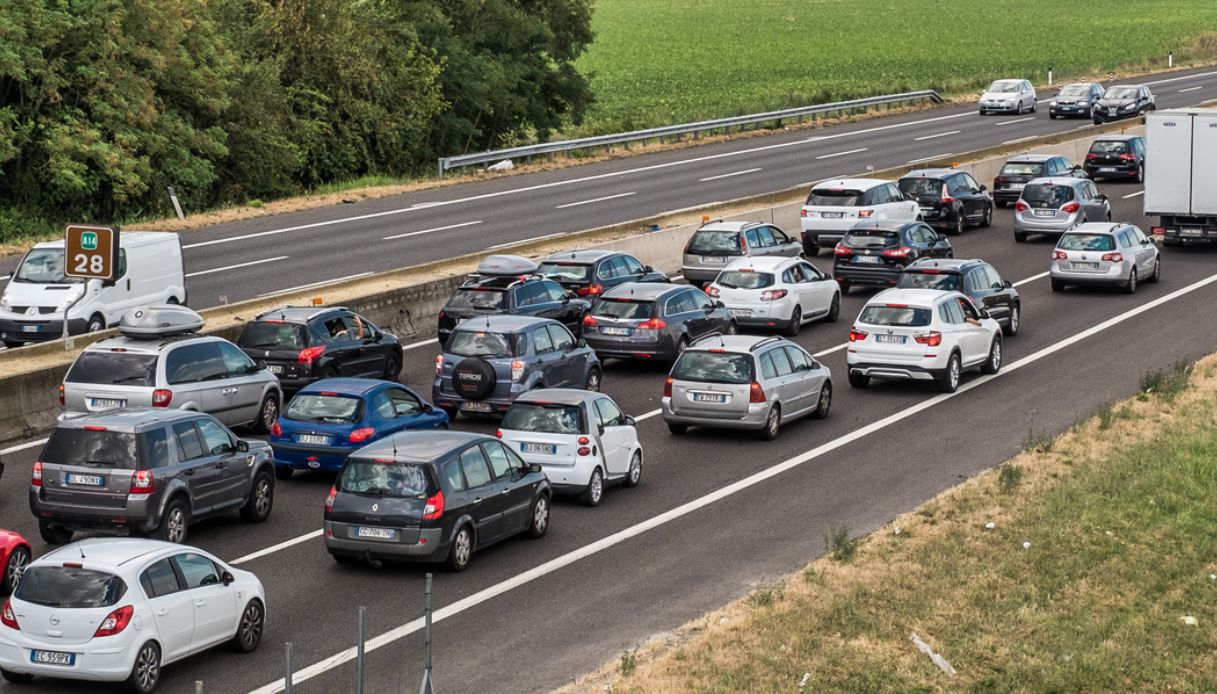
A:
[833,207]
[778,293]
[922,335]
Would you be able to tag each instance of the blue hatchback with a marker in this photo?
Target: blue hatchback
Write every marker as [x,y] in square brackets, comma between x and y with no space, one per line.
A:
[330,419]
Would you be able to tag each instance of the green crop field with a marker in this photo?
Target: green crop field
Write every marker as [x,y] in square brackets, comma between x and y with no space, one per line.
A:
[655,62]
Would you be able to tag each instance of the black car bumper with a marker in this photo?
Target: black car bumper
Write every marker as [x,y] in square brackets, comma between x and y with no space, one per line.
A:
[1007,195]
[1122,170]
[39,330]
[1082,111]
[876,276]
[1104,116]
[821,239]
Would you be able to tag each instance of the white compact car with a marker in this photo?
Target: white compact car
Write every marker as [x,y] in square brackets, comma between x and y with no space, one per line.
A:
[1008,96]
[580,438]
[117,610]
[923,335]
[776,292]
[833,207]
[1104,253]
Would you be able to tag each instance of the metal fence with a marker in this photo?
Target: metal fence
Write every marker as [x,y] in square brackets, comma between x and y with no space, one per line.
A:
[799,113]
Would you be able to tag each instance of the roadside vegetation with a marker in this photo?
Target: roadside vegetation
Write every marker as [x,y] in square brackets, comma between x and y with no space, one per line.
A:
[1089,565]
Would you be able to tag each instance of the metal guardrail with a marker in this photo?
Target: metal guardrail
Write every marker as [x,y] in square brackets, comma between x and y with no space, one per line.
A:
[447,163]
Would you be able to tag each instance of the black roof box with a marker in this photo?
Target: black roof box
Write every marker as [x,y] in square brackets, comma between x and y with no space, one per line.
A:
[161,320]
[506,265]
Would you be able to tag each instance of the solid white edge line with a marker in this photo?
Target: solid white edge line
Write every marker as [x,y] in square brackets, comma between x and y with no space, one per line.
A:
[842,154]
[5,278]
[1016,120]
[1032,278]
[1182,77]
[944,155]
[936,135]
[1137,194]
[1020,139]
[314,285]
[685,509]
[1190,89]
[431,231]
[22,447]
[416,345]
[535,238]
[238,265]
[593,200]
[729,175]
[275,548]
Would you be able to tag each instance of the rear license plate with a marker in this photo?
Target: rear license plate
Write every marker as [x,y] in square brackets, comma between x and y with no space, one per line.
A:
[376,533]
[740,312]
[106,403]
[53,658]
[541,448]
[1107,169]
[894,339]
[275,368]
[709,397]
[314,439]
[84,480]
[615,331]
[714,259]
[1197,233]
[867,259]
[1044,213]
[1017,186]
[475,407]
[1085,266]
[29,328]
[832,215]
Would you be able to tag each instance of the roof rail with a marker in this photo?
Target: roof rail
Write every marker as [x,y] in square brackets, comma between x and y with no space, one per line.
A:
[764,342]
[324,310]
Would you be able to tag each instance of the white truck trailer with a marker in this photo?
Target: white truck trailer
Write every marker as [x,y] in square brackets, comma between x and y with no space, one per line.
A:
[1181,174]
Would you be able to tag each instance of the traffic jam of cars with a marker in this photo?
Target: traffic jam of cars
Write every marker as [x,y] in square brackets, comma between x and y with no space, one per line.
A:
[146,445]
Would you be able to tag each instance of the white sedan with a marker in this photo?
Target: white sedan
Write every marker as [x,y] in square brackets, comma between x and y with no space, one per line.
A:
[776,292]
[924,335]
[118,609]
[580,438]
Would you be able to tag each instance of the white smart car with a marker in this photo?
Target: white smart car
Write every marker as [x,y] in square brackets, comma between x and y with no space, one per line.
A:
[923,335]
[119,609]
[580,438]
[776,292]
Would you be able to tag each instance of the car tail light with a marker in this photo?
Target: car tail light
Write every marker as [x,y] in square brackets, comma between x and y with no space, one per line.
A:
[743,245]
[756,393]
[590,290]
[802,213]
[361,435]
[439,364]
[308,355]
[856,335]
[7,617]
[1158,231]
[161,397]
[588,321]
[932,338]
[773,294]
[94,427]
[143,482]
[36,477]
[999,180]
[652,324]
[276,430]
[115,622]
[61,399]
[1113,257]
[841,250]
[329,500]
[712,291]
[1060,255]
[667,389]
[946,198]
[498,434]
[583,440]
[865,213]
[902,252]
[434,508]
[1092,155]
[517,370]
[1071,207]
[1127,157]
[1021,206]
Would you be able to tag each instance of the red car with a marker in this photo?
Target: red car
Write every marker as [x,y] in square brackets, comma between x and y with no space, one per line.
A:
[14,557]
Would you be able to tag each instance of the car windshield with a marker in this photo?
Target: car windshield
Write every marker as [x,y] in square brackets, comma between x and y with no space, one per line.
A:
[626,309]
[921,187]
[1047,194]
[1120,93]
[43,266]
[910,279]
[481,298]
[1004,87]
[871,239]
[834,197]
[70,588]
[548,418]
[1022,168]
[1087,242]
[744,279]
[1075,90]
[383,478]
[892,314]
[469,343]
[85,447]
[113,369]
[713,367]
[273,335]
[1108,146]
[566,272]
[708,242]
[324,407]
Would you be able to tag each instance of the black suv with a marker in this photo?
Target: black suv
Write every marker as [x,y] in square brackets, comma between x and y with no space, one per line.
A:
[876,252]
[1018,171]
[301,344]
[1123,101]
[1117,156]
[591,273]
[975,278]
[949,199]
[507,284]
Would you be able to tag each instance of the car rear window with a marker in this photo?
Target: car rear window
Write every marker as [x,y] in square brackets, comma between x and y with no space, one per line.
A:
[113,369]
[929,280]
[834,197]
[67,587]
[383,478]
[715,243]
[566,272]
[892,314]
[324,407]
[713,367]
[921,187]
[1047,194]
[1022,168]
[81,447]
[871,239]
[481,298]
[548,418]
[273,335]
[744,279]
[1108,146]
[626,309]
[470,343]
[1087,242]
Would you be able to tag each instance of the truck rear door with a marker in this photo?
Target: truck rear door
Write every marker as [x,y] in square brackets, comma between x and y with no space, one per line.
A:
[1168,164]
[1204,164]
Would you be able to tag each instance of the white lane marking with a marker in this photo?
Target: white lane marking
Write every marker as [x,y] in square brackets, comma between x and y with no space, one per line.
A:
[1030,279]
[729,175]
[322,283]
[1137,194]
[238,265]
[830,350]
[275,548]
[698,207]
[1190,89]
[562,561]
[432,231]
[936,135]
[535,238]
[416,345]
[5,278]
[594,200]
[842,154]
[1020,139]
[944,155]
[1184,77]
[22,447]
[1012,122]
[677,277]
[647,415]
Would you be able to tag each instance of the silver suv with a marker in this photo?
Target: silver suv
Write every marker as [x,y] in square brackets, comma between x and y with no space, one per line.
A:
[745,382]
[147,471]
[1055,205]
[713,245]
[161,362]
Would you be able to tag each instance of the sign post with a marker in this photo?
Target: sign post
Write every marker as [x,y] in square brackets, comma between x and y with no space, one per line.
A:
[90,253]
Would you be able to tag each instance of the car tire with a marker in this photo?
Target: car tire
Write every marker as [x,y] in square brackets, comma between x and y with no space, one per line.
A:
[1130,285]
[634,475]
[960,224]
[261,499]
[592,382]
[12,344]
[97,323]
[250,628]
[1020,237]
[948,380]
[1058,286]
[593,494]
[677,429]
[1140,173]
[268,414]
[53,535]
[538,517]
[834,309]
[773,423]
[732,328]
[461,550]
[795,324]
[283,472]
[824,404]
[392,367]
[174,523]
[146,672]
[452,413]
[1012,324]
[18,559]
[16,677]
[993,364]
[681,345]
[811,251]
[857,380]
[344,559]
[1034,105]
[1157,276]
[987,220]
[1051,115]
[1097,121]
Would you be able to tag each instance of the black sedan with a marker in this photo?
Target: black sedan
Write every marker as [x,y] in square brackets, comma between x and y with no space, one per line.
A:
[1123,101]
[1117,156]
[975,278]
[875,253]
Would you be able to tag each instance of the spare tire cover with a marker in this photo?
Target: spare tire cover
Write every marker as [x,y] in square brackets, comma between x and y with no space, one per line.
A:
[473,378]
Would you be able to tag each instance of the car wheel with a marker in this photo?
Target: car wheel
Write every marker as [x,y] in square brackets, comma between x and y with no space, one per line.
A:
[249,630]
[634,476]
[593,381]
[12,344]
[959,224]
[96,324]
[344,559]
[773,423]
[594,492]
[677,429]
[1157,276]
[681,345]
[1140,173]
[16,677]
[1020,237]
[268,414]
[811,251]
[825,403]
[538,519]
[1098,121]
[53,535]
[392,367]
[845,287]
[1011,327]
[174,522]
[1058,286]
[987,220]
[1034,105]
[796,322]
[1051,115]
[17,561]
[283,472]
[732,328]
[461,550]
[948,382]
[261,499]
[993,364]
[146,673]
[857,380]
[1130,287]
[834,309]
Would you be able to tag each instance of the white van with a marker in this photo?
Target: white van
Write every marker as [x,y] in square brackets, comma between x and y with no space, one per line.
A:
[31,308]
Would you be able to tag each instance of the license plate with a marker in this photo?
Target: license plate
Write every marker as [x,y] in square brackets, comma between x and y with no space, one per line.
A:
[1017,186]
[1107,169]
[314,439]
[709,397]
[894,339]
[29,328]
[832,215]
[84,480]
[1111,112]
[107,403]
[1191,232]
[376,533]
[475,407]
[714,259]
[741,312]
[52,658]
[1044,213]
[275,368]
[927,210]
[615,331]
[868,259]
[1085,266]
[541,448]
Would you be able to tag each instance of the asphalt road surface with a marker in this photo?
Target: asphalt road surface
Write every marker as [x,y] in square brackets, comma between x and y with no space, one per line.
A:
[716,511]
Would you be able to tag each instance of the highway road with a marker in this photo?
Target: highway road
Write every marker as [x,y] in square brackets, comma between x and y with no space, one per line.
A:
[716,511]
[247,259]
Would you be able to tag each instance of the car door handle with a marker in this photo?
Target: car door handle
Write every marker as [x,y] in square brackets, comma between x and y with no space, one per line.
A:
[200,603]
[221,465]
[506,491]
[187,473]
[162,612]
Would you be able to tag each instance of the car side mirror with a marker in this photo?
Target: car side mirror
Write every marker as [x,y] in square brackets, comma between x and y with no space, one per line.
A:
[983,188]
[535,467]
[1101,196]
[581,342]
[629,421]
[253,368]
[984,314]
[648,268]
[1007,284]
[719,304]
[600,429]
[227,578]
[242,446]
[566,298]
[426,407]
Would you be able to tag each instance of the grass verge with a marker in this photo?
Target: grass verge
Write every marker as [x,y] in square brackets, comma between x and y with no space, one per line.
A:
[1095,570]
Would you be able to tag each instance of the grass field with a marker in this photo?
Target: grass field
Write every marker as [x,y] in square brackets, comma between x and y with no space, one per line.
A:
[656,62]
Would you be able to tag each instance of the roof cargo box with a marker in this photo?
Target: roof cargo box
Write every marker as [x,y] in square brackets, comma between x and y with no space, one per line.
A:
[503,265]
[162,320]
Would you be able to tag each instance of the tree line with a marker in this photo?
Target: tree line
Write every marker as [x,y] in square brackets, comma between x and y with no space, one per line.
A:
[103,103]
